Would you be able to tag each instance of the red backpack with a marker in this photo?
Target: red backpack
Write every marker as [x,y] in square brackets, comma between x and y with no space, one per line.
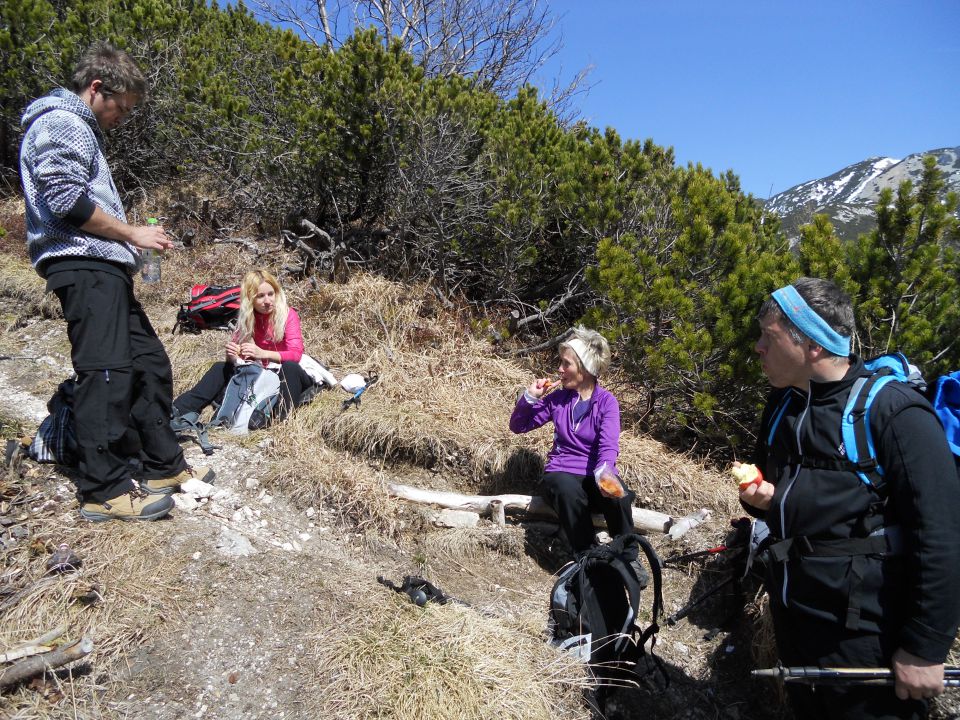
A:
[211,307]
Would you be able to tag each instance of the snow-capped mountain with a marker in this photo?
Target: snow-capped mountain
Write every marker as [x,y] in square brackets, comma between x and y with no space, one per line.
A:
[849,195]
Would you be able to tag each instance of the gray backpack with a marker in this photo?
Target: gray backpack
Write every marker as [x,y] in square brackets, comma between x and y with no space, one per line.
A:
[249,401]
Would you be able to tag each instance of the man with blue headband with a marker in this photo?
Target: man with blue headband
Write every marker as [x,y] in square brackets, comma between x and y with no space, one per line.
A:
[859,574]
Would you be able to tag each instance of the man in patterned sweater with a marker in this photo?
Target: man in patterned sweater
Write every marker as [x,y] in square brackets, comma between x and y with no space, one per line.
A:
[80,242]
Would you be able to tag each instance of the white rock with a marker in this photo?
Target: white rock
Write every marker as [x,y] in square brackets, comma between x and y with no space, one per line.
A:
[218,510]
[457,518]
[310,512]
[266,499]
[185,502]
[297,546]
[251,483]
[234,544]
[304,536]
[287,546]
[197,488]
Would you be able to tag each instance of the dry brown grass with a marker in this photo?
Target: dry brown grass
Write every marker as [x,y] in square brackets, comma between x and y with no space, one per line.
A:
[117,597]
[404,662]
[23,292]
[443,401]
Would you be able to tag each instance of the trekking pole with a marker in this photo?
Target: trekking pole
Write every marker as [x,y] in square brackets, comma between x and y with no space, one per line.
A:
[813,675]
[686,609]
[355,398]
[699,553]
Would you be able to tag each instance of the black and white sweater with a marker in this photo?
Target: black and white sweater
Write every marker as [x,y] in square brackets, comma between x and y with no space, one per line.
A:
[62,161]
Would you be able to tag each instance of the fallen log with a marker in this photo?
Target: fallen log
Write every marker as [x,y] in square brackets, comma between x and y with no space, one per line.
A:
[33,647]
[38,664]
[644,520]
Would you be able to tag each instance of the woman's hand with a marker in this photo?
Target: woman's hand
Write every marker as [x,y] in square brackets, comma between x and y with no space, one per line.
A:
[250,351]
[539,387]
[233,350]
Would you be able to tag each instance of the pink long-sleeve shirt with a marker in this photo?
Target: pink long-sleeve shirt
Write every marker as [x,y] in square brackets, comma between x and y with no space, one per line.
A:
[290,348]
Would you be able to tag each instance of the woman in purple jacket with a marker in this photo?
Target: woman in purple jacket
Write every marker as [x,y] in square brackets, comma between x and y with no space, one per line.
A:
[586,440]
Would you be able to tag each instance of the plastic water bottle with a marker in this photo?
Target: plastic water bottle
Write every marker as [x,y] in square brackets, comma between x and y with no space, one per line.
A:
[63,560]
[150,271]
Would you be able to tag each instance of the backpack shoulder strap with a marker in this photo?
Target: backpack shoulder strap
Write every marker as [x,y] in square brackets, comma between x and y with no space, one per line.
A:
[855,426]
[622,544]
[650,633]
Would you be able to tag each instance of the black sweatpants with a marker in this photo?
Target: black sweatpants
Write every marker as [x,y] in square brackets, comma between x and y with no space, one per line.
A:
[293,382]
[124,379]
[802,640]
[575,497]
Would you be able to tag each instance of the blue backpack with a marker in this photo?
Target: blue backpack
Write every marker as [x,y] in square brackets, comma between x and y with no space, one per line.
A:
[855,427]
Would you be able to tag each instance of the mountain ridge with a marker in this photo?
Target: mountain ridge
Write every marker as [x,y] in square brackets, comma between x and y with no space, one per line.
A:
[849,195]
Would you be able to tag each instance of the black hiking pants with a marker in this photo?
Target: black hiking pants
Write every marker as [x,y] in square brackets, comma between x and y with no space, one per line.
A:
[293,383]
[124,380]
[575,498]
[802,640]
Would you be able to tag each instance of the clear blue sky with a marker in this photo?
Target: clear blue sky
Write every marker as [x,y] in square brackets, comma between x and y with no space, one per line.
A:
[779,91]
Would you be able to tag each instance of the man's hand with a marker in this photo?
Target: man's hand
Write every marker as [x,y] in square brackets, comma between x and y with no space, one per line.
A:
[142,236]
[150,237]
[758,496]
[916,678]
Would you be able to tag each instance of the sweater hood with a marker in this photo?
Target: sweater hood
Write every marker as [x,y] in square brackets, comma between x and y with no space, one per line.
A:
[61,99]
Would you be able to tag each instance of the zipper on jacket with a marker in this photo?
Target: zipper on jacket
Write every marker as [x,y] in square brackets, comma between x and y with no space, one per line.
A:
[783,499]
[576,424]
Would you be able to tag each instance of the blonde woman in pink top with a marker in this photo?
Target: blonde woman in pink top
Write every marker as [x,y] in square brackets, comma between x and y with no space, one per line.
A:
[268,332]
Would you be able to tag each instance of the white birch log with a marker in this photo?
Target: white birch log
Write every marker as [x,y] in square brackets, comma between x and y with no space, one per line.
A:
[643,520]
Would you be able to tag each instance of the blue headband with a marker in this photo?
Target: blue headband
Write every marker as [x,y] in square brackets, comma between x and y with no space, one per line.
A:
[809,323]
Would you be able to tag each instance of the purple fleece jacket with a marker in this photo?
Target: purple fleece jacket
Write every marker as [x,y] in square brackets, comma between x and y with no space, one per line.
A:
[576,449]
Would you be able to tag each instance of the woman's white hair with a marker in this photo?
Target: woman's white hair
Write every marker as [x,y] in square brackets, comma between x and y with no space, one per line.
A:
[591,349]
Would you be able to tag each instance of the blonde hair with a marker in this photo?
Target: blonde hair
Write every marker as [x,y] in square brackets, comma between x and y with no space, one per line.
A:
[248,291]
[591,350]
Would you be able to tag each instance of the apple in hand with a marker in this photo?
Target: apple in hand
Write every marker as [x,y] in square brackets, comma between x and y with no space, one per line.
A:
[746,474]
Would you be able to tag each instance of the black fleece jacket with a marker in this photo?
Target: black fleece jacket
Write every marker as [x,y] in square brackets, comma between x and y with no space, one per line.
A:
[914,597]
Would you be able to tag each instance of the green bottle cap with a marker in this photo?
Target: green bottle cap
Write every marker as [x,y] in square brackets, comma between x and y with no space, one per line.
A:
[151,221]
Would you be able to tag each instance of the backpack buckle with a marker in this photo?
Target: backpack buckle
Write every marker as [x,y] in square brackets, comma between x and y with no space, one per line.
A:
[868,465]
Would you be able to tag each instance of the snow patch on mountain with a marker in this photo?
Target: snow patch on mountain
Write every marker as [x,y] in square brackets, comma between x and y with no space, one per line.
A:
[849,195]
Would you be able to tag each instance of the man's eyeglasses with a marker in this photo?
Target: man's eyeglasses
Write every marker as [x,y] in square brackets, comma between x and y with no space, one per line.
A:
[124,109]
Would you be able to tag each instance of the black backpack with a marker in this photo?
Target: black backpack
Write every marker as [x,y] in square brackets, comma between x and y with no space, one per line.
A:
[594,610]
[56,438]
[211,307]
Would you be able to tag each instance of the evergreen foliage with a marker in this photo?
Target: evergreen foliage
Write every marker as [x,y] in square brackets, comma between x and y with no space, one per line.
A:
[904,276]
[433,175]
[679,295]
